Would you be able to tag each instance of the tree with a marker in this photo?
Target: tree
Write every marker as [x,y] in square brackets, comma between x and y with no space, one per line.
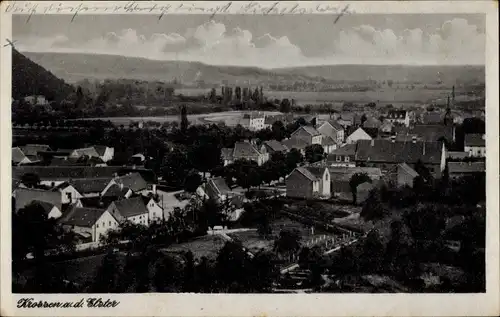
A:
[204,156]
[373,208]
[232,266]
[307,109]
[288,241]
[31,180]
[213,96]
[285,105]
[278,131]
[192,181]
[184,119]
[174,168]
[293,158]
[106,279]
[363,119]
[356,180]
[373,252]
[314,153]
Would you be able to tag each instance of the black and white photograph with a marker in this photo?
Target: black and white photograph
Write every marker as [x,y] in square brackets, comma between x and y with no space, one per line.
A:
[248,153]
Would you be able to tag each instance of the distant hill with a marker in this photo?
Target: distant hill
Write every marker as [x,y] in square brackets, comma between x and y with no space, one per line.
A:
[29,78]
[74,67]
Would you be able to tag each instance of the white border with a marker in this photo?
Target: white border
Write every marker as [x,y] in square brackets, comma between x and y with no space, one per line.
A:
[276,304]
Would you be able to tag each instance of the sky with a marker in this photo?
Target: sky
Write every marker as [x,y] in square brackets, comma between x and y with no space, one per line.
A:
[267,41]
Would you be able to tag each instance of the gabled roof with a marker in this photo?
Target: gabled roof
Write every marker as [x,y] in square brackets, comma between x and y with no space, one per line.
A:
[33,149]
[328,140]
[345,173]
[408,169]
[457,154]
[475,139]
[24,196]
[466,167]
[100,149]
[316,171]
[348,149]
[131,207]
[244,149]
[275,145]
[330,125]
[17,155]
[306,173]
[134,181]
[116,191]
[82,216]
[15,184]
[295,143]
[308,129]
[97,202]
[90,185]
[372,122]
[227,153]
[378,150]
[360,130]
[432,132]
[219,185]
[47,207]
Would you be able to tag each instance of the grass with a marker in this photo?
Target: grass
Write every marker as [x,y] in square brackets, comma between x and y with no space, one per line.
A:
[207,246]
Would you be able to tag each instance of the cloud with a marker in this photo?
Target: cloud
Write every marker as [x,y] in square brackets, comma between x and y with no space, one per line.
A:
[455,42]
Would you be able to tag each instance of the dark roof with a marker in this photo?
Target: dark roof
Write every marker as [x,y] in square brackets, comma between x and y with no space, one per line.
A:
[295,143]
[398,152]
[316,171]
[47,207]
[304,171]
[433,117]
[244,149]
[17,155]
[219,185]
[82,216]
[372,122]
[373,132]
[275,145]
[15,184]
[100,149]
[466,167]
[97,202]
[134,181]
[457,155]
[348,149]
[475,139]
[24,196]
[227,153]
[90,185]
[432,132]
[396,114]
[131,207]
[116,191]
[328,140]
[310,130]
[330,128]
[66,172]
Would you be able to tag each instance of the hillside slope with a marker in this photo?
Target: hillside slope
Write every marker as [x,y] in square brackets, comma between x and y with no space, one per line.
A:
[73,67]
[29,78]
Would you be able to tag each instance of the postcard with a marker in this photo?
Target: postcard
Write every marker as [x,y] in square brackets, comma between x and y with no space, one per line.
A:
[249,158]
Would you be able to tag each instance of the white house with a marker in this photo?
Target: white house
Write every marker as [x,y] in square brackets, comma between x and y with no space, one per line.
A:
[133,181]
[332,129]
[69,194]
[131,209]
[88,151]
[244,150]
[358,134]
[36,100]
[155,212]
[399,116]
[89,223]
[309,182]
[106,153]
[475,145]
[256,121]
[308,134]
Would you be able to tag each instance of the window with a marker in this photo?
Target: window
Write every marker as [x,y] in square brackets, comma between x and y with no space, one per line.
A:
[110,223]
[97,225]
[347,158]
[338,158]
[103,224]
[326,177]
[68,195]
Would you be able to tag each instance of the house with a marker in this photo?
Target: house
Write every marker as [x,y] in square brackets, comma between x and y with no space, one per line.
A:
[131,209]
[475,145]
[84,152]
[457,155]
[256,121]
[434,132]
[332,129]
[90,187]
[329,144]
[216,188]
[386,154]
[308,182]
[155,212]
[358,134]
[399,116]
[341,177]
[386,127]
[31,150]
[25,196]
[106,153]
[405,175]
[89,223]
[133,181]
[244,150]
[295,143]
[343,156]
[69,194]
[273,146]
[117,192]
[169,202]
[54,175]
[307,134]
[19,158]
[372,123]
[51,210]
[346,119]
[461,169]
[36,100]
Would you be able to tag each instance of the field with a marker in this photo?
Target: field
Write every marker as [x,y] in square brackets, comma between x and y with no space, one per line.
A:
[207,246]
